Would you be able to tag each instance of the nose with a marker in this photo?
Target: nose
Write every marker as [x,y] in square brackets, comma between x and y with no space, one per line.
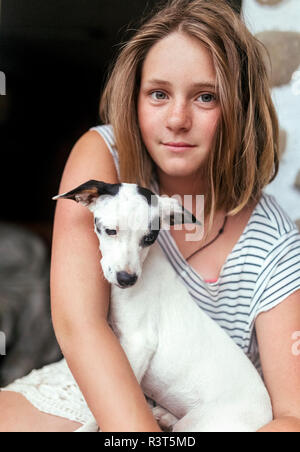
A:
[179,116]
[125,279]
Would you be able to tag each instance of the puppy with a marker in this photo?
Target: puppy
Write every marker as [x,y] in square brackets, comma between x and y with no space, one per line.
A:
[202,381]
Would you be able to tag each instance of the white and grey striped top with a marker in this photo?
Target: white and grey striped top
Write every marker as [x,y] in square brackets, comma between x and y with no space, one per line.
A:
[260,272]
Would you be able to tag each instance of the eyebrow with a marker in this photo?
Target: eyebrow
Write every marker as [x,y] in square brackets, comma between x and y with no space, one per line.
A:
[204,84]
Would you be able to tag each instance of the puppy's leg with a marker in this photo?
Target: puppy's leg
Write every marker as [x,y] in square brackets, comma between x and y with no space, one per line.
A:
[213,419]
[138,353]
[165,419]
[191,422]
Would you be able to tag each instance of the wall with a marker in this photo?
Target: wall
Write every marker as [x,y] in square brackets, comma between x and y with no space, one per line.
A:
[277,24]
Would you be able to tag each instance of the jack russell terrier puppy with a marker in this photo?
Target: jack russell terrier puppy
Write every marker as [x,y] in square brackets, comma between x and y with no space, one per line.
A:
[183,360]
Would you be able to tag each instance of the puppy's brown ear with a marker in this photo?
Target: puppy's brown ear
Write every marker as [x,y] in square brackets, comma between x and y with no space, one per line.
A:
[89,192]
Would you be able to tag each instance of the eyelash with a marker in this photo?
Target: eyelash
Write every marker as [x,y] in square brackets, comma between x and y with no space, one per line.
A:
[204,94]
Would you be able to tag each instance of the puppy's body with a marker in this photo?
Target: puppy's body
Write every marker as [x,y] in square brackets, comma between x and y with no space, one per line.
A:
[182,358]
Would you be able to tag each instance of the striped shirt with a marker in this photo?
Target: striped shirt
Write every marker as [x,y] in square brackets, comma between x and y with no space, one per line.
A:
[261,271]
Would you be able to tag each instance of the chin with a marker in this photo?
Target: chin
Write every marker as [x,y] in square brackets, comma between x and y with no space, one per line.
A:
[180,171]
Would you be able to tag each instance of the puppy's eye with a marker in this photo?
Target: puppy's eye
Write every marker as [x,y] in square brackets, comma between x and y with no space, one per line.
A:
[111,231]
[149,239]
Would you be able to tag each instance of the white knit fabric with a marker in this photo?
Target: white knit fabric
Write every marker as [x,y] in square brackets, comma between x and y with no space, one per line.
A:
[53,390]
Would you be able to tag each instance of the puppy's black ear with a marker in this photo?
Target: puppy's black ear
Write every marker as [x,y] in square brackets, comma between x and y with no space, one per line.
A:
[172,212]
[89,192]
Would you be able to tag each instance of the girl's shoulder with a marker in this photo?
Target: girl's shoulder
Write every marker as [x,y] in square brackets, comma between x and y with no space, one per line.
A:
[276,246]
[107,133]
[271,217]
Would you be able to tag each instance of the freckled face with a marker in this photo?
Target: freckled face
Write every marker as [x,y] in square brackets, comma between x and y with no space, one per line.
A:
[178,107]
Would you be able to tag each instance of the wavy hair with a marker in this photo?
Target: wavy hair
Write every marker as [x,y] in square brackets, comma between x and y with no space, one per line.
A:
[245,154]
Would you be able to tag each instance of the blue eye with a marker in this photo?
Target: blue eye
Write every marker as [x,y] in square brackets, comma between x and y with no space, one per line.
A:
[158,95]
[206,98]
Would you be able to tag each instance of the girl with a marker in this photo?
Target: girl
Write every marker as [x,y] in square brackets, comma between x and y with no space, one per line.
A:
[187,110]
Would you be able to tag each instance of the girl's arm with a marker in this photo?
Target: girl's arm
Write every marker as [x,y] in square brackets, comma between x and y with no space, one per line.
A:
[278,334]
[80,301]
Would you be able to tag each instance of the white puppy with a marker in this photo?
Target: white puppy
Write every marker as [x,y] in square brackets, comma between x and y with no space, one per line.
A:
[180,356]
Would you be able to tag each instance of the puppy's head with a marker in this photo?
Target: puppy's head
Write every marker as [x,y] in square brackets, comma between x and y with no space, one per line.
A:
[127,221]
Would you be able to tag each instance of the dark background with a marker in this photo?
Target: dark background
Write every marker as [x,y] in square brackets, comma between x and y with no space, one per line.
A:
[55,54]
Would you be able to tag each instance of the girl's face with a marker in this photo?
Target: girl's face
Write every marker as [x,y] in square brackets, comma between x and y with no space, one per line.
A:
[178,107]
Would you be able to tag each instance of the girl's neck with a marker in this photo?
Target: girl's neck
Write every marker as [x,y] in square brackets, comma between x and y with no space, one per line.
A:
[189,185]
[193,186]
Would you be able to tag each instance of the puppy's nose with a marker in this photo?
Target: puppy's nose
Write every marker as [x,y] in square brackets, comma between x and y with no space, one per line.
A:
[125,279]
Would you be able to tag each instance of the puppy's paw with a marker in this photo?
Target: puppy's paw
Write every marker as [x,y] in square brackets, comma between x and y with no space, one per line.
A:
[165,419]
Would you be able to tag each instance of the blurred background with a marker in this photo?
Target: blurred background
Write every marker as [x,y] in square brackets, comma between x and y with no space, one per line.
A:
[54,58]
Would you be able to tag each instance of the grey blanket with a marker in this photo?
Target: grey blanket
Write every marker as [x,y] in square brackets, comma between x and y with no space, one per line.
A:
[25,321]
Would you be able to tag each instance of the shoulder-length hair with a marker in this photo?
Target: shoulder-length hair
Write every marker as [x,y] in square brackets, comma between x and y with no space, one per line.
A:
[245,154]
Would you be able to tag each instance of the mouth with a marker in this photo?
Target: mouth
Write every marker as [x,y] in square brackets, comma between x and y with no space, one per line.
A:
[123,287]
[178,146]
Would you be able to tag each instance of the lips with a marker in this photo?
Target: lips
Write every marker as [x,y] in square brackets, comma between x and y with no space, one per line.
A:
[179,145]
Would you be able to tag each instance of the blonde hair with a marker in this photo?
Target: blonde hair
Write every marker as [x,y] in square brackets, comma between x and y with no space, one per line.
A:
[245,154]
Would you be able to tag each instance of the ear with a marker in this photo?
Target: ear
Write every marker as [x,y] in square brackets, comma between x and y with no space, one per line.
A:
[87,193]
[172,212]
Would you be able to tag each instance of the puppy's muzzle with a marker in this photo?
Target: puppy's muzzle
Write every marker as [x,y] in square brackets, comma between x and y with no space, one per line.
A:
[125,279]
